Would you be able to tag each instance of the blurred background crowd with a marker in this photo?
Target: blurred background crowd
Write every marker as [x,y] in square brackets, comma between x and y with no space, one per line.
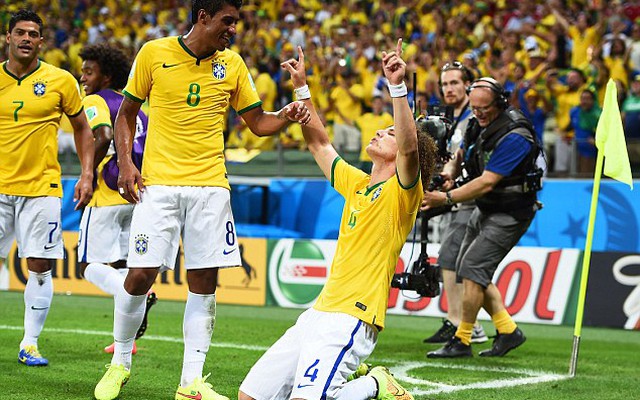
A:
[554,56]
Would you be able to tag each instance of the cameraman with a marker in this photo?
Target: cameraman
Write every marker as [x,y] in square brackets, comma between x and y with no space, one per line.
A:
[455,79]
[501,164]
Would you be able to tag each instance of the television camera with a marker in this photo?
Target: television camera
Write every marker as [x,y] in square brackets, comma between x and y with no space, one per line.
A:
[424,277]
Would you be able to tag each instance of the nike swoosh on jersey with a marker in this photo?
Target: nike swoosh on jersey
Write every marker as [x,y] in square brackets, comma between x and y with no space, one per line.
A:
[165,65]
[300,386]
[49,247]
[225,252]
[189,396]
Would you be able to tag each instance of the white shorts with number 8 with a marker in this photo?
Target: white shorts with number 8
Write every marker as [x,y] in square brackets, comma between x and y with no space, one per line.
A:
[201,215]
[313,358]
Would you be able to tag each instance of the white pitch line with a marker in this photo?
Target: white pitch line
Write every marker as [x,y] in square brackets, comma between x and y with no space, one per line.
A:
[400,370]
[146,337]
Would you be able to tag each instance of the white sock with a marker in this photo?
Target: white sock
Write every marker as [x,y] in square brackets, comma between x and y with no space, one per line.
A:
[197,328]
[37,299]
[104,277]
[127,317]
[362,388]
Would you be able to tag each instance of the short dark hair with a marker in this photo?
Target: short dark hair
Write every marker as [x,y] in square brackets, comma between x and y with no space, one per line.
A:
[211,7]
[112,61]
[25,15]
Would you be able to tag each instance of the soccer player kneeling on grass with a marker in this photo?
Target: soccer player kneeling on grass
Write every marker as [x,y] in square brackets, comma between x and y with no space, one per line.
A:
[321,356]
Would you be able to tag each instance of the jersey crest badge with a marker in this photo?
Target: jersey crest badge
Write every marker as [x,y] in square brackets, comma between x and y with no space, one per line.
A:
[39,88]
[219,70]
[376,194]
[142,244]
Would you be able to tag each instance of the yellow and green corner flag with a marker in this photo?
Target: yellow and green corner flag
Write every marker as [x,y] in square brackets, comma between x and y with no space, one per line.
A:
[610,138]
[612,151]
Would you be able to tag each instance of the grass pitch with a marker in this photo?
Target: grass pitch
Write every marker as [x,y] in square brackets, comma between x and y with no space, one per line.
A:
[79,327]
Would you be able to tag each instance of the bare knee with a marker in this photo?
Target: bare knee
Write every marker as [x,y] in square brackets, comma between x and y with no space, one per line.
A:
[139,280]
[83,268]
[39,265]
[202,281]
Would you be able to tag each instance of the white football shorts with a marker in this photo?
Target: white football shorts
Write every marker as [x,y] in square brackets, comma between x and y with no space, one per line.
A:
[104,234]
[313,358]
[35,224]
[201,214]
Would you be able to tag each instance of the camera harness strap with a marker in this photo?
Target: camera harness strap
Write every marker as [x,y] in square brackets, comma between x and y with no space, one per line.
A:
[464,114]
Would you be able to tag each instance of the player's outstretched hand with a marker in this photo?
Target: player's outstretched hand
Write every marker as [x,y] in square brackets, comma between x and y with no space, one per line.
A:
[393,66]
[83,191]
[296,112]
[297,69]
[128,178]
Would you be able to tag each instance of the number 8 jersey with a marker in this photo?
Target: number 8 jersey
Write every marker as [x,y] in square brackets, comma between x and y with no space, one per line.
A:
[188,98]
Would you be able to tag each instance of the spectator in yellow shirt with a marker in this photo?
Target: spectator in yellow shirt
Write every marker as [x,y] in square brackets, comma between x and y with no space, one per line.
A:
[368,124]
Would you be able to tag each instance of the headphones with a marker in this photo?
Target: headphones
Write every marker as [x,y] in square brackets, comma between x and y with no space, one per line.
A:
[501,95]
[467,75]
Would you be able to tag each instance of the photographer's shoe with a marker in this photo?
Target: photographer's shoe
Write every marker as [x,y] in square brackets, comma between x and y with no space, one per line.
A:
[453,349]
[478,335]
[504,343]
[388,387]
[444,334]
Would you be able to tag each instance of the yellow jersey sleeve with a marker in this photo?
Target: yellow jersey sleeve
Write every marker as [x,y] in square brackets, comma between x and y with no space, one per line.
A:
[97,111]
[71,101]
[139,82]
[344,175]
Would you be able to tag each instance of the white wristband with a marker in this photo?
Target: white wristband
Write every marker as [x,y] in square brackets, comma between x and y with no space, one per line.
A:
[302,93]
[398,90]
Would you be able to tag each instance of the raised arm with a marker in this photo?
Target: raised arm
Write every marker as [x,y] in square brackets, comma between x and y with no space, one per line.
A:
[407,163]
[129,175]
[314,131]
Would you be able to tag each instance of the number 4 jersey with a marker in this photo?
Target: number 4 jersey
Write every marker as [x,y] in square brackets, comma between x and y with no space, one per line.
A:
[30,112]
[188,98]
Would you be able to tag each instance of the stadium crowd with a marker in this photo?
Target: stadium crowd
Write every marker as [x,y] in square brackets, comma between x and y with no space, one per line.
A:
[554,56]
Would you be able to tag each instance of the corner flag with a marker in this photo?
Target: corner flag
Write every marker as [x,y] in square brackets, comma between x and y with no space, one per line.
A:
[610,138]
[612,147]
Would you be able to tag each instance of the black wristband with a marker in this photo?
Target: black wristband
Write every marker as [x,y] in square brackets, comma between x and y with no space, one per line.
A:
[449,201]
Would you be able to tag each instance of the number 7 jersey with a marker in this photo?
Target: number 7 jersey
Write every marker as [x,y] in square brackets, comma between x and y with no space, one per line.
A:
[30,112]
[188,99]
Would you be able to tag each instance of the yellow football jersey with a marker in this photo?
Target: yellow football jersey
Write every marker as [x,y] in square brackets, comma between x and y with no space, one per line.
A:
[188,97]
[98,114]
[29,119]
[374,227]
